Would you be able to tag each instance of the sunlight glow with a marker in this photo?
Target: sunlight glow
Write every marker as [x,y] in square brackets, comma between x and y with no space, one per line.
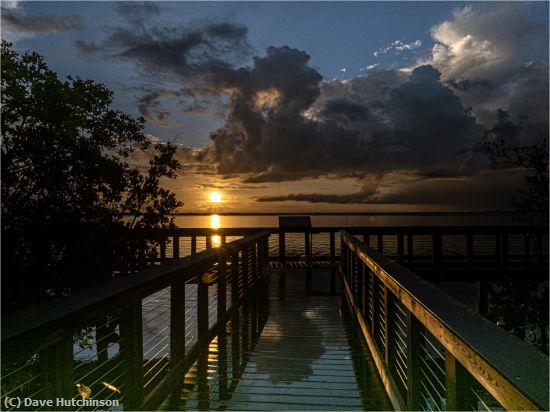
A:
[216,241]
[215,222]
[215,197]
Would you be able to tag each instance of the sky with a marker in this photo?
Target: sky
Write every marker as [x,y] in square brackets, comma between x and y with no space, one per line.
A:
[313,106]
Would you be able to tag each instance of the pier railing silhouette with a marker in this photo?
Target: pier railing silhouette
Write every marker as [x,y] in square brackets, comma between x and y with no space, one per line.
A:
[432,352]
[436,253]
[441,252]
[132,340]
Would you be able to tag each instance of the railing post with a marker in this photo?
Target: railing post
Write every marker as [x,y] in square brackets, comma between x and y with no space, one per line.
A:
[457,389]
[437,245]
[208,241]
[365,294]
[222,296]
[374,290]
[282,255]
[389,315]
[193,244]
[177,333]
[235,319]
[332,263]
[176,247]
[410,250]
[202,310]
[414,387]
[246,272]
[177,322]
[307,247]
[162,245]
[131,349]
[470,254]
[381,243]
[57,366]
[400,249]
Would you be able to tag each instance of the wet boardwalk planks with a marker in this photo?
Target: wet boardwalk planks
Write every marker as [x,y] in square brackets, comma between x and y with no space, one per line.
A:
[305,358]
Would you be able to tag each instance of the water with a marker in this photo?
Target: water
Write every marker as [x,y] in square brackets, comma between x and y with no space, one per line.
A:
[320,241]
[231,221]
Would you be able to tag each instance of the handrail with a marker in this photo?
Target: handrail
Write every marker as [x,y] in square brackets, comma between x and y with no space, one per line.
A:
[38,343]
[84,304]
[473,348]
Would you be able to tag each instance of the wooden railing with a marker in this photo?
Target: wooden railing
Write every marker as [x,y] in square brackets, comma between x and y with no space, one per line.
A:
[441,252]
[432,352]
[131,340]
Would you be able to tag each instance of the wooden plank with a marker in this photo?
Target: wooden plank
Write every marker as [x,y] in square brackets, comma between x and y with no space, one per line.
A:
[131,350]
[193,245]
[332,249]
[176,247]
[56,362]
[400,249]
[414,387]
[458,395]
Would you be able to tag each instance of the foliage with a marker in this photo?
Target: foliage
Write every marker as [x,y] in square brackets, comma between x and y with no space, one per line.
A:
[68,181]
[522,309]
[531,203]
[522,304]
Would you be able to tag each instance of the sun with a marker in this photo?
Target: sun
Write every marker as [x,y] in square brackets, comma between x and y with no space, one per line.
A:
[215,197]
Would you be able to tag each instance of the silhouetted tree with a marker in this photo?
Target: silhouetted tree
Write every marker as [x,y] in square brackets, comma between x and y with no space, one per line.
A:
[522,304]
[531,202]
[67,181]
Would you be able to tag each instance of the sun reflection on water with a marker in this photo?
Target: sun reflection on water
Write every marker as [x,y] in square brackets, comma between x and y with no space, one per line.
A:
[216,241]
[215,222]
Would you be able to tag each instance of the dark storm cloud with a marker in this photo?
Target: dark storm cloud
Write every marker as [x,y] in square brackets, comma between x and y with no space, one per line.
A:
[476,85]
[402,123]
[358,197]
[209,49]
[482,191]
[345,110]
[17,20]
[284,123]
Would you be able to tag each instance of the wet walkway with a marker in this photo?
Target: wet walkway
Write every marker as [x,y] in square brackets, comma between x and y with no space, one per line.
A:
[304,356]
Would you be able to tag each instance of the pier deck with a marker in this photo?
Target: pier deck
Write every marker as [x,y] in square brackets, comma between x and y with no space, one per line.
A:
[306,357]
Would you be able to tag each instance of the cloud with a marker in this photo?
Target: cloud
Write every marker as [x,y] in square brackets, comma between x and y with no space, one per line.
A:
[488,54]
[284,122]
[487,190]
[183,52]
[398,46]
[369,67]
[16,21]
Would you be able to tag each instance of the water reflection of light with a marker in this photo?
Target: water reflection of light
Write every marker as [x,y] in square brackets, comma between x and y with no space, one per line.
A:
[216,240]
[215,222]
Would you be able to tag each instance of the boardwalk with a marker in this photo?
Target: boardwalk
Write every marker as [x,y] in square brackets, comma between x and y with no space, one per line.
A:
[306,358]
[209,332]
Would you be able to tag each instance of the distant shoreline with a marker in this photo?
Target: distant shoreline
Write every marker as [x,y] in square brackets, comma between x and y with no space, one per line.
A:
[470,213]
